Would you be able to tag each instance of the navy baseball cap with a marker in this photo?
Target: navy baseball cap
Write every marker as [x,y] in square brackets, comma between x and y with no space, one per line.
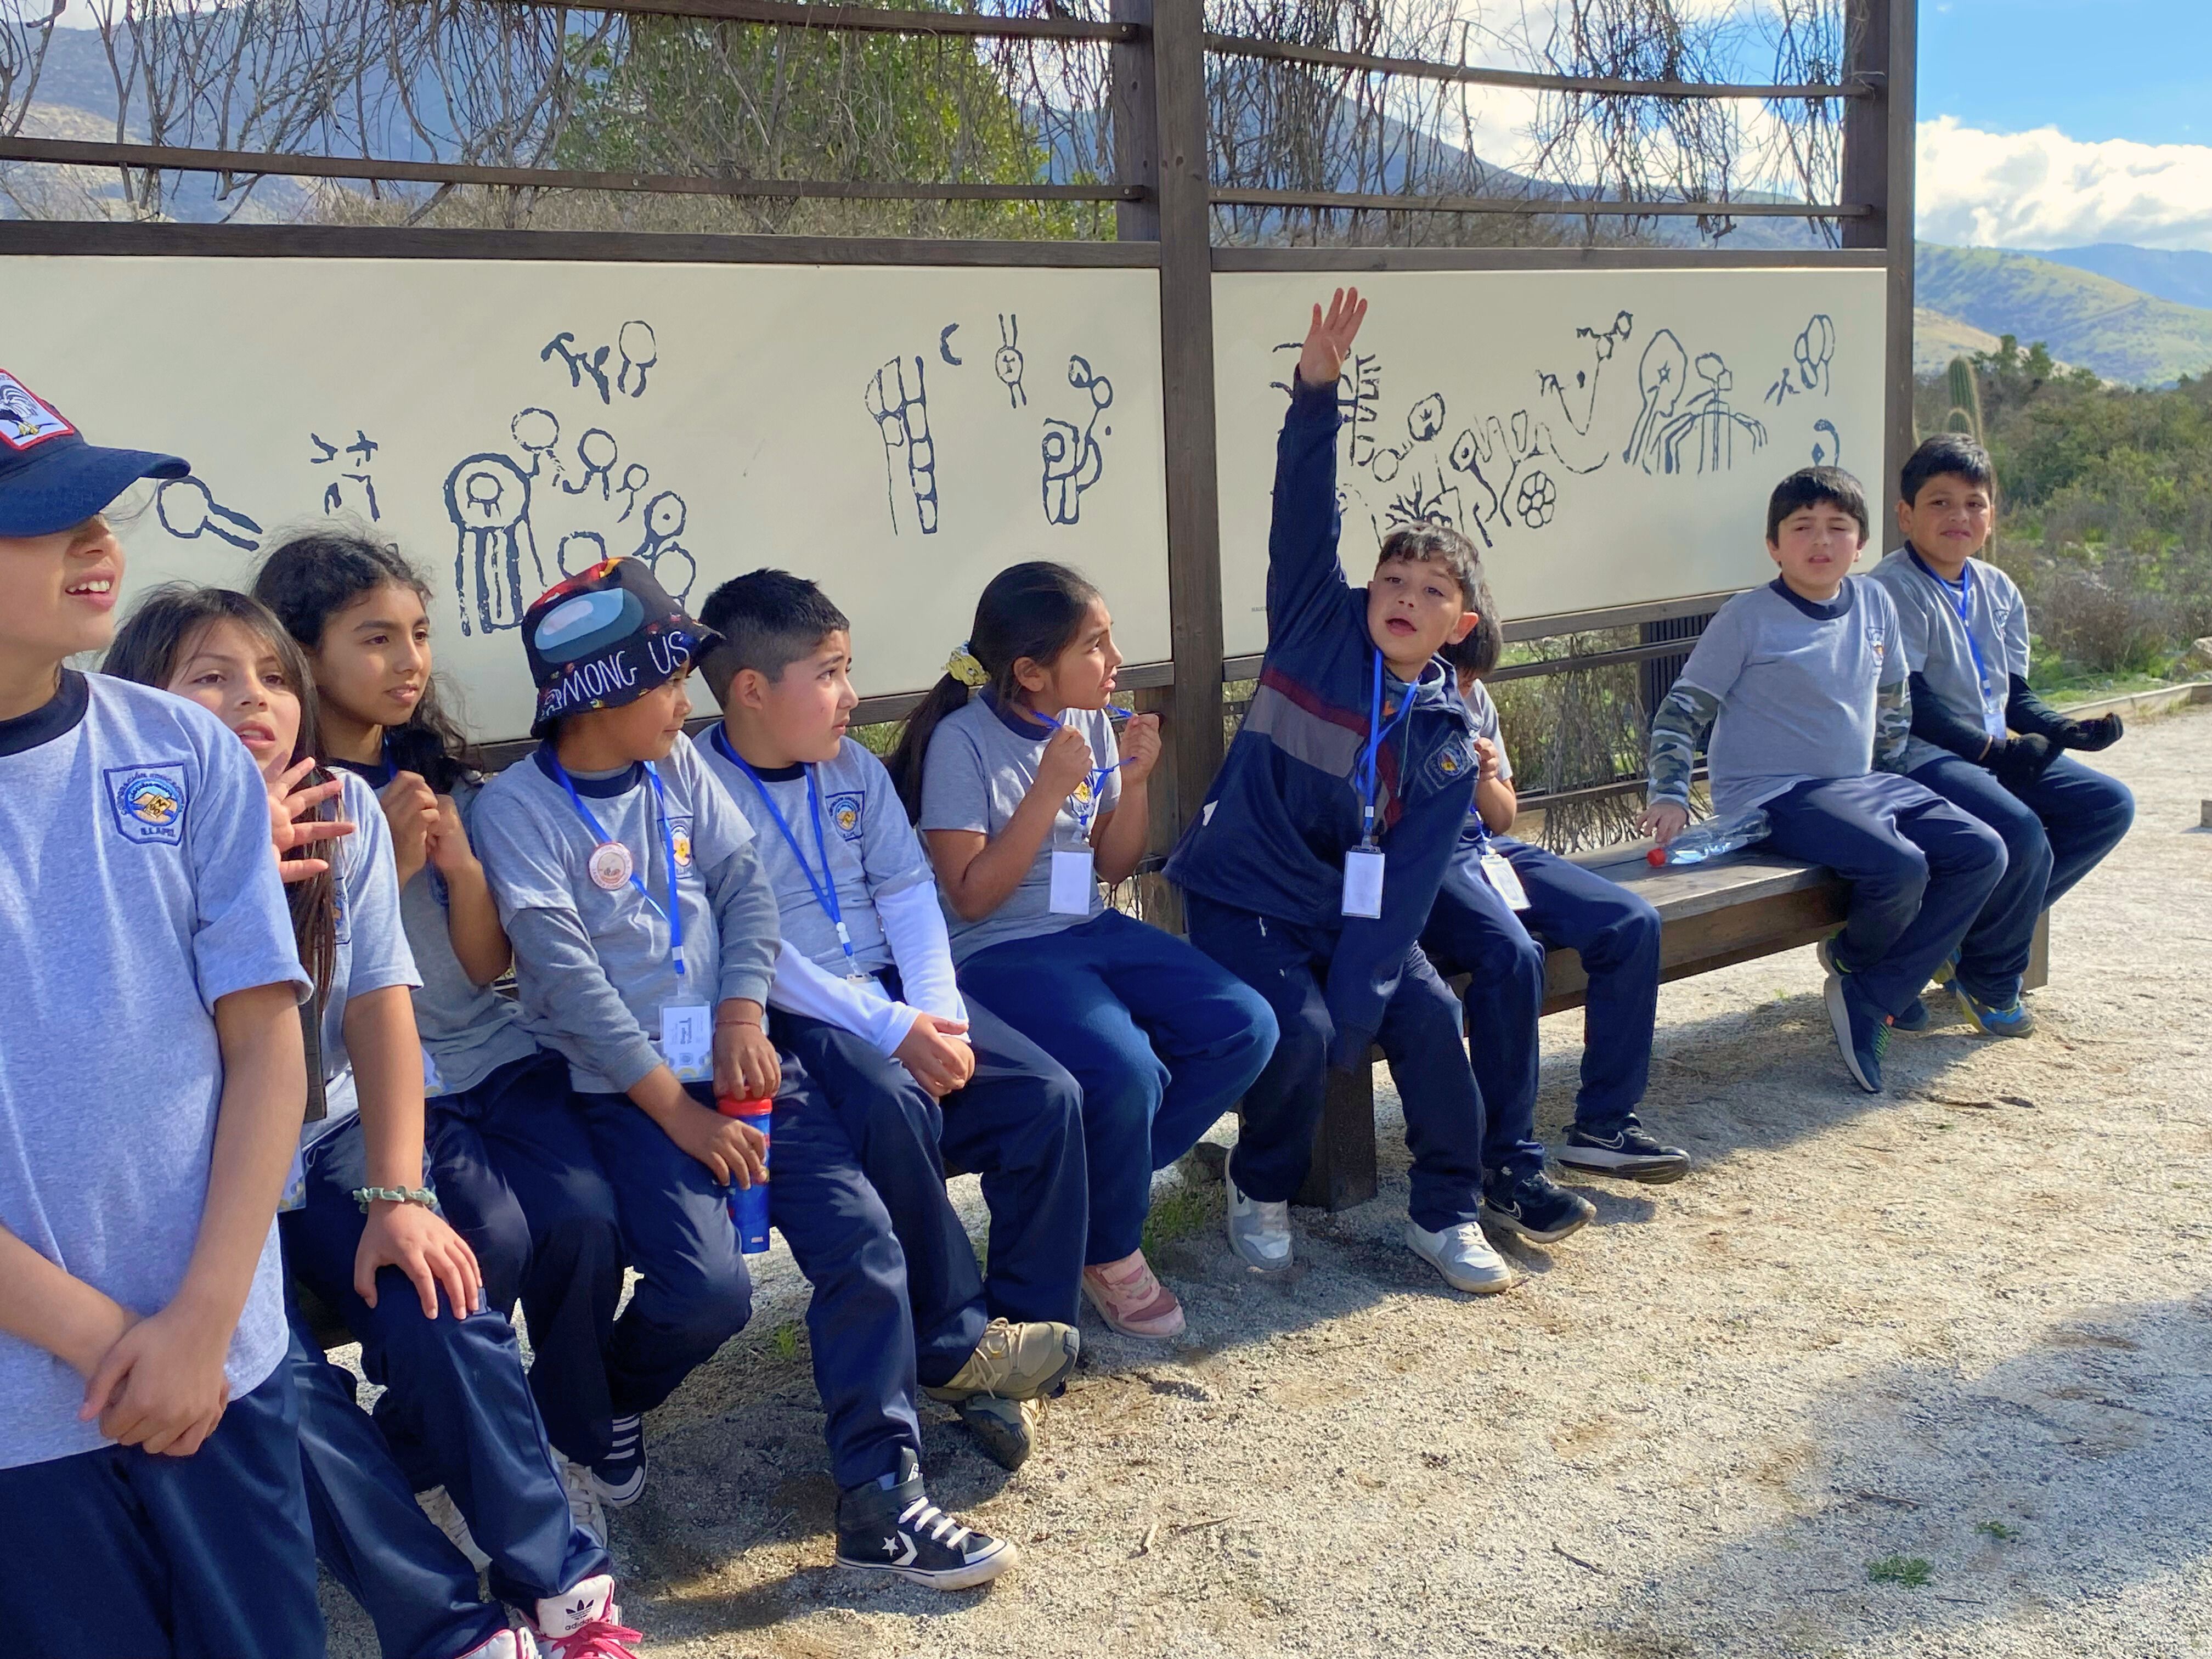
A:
[49,478]
[606,637]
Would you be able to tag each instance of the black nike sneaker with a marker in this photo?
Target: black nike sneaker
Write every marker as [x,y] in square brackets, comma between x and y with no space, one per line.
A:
[890,1526]
[1628,1153]
[1535,1207]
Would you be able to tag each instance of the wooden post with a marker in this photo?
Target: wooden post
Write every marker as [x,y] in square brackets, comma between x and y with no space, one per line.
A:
[1181,216]
[1879,147]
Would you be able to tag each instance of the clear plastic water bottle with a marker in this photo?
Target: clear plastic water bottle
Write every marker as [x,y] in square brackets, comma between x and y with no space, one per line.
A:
[1712,839]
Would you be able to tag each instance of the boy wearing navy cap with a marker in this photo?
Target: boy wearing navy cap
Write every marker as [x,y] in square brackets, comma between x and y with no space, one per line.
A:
[645,940]
[1311,866]
[864,998]
[151,1088]
[1981,738]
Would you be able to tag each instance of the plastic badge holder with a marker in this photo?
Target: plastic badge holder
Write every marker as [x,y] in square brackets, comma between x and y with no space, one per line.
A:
[749,1205]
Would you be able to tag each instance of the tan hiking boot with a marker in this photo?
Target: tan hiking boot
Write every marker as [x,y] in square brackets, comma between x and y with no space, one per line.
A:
[1014,1362]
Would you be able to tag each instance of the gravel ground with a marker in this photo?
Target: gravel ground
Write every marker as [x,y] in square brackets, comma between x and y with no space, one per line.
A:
[1926,1374]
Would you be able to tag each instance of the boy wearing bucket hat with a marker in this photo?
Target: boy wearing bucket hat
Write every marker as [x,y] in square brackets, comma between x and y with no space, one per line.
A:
[646,938]
[151,1085]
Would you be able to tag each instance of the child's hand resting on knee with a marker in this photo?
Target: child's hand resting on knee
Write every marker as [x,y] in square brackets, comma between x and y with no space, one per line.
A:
[420,1243]
[936,1052]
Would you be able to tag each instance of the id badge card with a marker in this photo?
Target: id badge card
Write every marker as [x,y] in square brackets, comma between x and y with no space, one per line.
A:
[1074,884]
[687,1039]
[1363,882]
[1505,880]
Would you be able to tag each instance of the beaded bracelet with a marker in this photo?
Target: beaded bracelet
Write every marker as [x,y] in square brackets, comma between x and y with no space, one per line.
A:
[364,1196]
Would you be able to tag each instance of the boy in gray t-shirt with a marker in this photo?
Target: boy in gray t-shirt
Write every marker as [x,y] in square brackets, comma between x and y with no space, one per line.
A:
[1981,738]
[151,1084]
[1802,684]
[865,999]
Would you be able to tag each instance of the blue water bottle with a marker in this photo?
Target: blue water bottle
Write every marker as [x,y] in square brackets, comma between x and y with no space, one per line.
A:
[749,1205]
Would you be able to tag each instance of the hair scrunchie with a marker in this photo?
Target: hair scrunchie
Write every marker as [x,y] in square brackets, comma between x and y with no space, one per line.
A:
[962,666]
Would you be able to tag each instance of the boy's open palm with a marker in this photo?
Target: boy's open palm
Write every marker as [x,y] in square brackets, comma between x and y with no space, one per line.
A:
[161,1387]
[1328,339]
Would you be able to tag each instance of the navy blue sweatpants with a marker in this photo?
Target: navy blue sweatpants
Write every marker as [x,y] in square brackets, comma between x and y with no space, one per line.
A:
[1162,1040]
[418,1590]
[1920,872]
[517,1177]
[1473,930]
[2055,831]
[457,1388]
[693,1294]
[116,1552]
[1018,1124]
[1419,1037]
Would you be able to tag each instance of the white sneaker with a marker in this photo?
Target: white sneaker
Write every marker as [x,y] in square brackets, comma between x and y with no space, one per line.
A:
[584,1623]
[584,1505]
[1259,1233]
[1463,1256]
[507,1645]
[446,1515]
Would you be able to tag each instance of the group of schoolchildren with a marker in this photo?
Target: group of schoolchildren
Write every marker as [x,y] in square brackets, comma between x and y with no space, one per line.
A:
[256,950]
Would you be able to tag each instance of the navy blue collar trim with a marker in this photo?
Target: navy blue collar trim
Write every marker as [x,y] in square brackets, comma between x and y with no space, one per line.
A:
[62,713]
[598,788]
[720,736]
[1021,725]
[1839,606]
[375,774]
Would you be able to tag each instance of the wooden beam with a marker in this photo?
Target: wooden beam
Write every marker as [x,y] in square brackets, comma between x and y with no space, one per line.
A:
[165,158]
[865,19]
[1537,206]
[1879,145]
[1354,260]
[1423,68]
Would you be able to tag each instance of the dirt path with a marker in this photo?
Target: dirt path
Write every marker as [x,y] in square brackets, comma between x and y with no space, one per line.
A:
[1925,1375]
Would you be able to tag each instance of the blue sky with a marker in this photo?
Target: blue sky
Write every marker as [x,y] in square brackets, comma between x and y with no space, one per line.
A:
[2095,68]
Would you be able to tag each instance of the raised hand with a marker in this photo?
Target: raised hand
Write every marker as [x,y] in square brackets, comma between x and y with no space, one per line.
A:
[1329,336]
[1066,763]
[411,809]
[291,822]
[1140,747]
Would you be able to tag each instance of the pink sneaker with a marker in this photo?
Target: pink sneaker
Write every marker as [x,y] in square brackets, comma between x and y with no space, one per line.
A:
[1130,1300]
[584,1623]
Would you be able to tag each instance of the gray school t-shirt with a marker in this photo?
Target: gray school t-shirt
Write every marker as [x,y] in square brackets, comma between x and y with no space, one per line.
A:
[137,887]
[372,951]
[1796,689]
[468,1031]
[1936,645]
[597,997]
[873,851]
[976,773]
[1483,713]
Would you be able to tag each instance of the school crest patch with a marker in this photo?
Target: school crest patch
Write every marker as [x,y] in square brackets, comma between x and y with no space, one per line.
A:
[1451,763]
[679,841]
[148,802]
[848,812]
[1080,798]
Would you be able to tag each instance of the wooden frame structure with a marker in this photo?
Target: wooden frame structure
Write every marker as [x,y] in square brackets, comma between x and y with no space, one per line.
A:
[1164,196]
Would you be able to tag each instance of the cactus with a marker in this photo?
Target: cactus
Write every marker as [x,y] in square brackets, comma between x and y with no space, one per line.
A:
[1965,414]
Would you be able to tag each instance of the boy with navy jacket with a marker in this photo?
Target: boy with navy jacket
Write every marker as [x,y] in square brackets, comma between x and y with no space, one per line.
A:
[1311,868]
[1502,903]
[864,997]
[1981,738]
[1803,682]
[646,938]
[151,1084]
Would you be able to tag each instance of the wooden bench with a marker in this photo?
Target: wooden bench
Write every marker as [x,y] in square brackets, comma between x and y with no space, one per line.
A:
[1711,915]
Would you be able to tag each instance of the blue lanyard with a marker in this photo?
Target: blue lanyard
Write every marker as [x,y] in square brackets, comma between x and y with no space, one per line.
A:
[1962,600]
[1097,779]
[673,915]
[824,891]
[1368,780]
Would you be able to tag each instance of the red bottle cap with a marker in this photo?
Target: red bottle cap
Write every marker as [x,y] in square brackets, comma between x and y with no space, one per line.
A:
[731,1106]
[1656,857]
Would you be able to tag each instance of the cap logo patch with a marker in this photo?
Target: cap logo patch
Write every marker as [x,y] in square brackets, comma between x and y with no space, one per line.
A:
[26,419]
[148,802]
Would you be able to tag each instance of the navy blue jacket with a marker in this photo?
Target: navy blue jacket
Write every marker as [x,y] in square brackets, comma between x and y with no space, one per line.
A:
[1283,810]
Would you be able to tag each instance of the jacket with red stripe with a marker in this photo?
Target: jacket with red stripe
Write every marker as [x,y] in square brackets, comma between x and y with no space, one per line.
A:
[1284,810]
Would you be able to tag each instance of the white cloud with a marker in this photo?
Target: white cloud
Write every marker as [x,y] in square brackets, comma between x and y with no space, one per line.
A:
[2042,189]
